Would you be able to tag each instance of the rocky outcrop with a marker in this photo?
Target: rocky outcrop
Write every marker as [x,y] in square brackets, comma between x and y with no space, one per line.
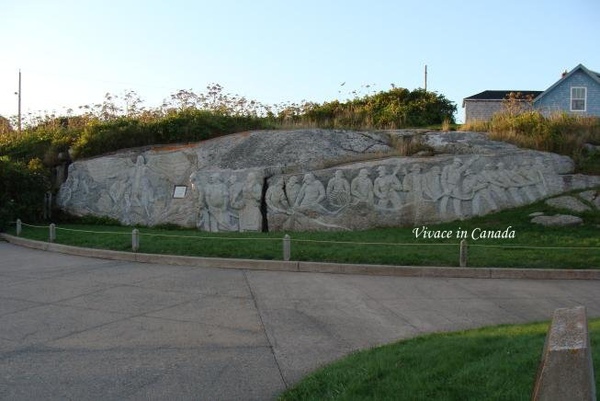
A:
[558,220]
[569,203]
[577,203]
[316,180]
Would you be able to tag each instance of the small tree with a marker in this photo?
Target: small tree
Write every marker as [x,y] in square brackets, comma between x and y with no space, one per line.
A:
[22,191]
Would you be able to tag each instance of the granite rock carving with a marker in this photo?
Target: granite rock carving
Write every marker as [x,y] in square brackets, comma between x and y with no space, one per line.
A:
[345,184]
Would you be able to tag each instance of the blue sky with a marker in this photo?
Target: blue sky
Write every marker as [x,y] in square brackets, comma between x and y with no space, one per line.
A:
[73,52]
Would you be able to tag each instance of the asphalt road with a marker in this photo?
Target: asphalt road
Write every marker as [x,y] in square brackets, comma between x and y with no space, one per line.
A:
[78,328]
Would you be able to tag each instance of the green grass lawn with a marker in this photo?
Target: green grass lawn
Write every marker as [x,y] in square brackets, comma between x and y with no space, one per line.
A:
[494,363]
[534,246]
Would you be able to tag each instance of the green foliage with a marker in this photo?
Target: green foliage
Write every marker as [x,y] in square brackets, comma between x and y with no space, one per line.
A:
[44,141]
[21,191]
[396,108]
[190,117]
[62,217]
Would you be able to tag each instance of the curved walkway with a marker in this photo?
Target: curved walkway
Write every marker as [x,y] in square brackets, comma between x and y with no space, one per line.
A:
[75,327]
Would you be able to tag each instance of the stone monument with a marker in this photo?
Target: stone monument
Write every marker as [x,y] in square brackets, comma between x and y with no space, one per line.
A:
[315,180]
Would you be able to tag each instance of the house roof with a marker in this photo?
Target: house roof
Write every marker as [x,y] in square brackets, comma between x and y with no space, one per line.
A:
[501,94]
[497,95]
[592,74]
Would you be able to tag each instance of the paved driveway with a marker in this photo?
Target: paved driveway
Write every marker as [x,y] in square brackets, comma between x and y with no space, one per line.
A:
[89,329]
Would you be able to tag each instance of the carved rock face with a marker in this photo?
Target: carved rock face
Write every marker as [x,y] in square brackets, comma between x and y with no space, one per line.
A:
[315,180]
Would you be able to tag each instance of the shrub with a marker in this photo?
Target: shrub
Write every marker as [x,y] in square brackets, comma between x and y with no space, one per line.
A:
[108,127]
[396,108]
[190,125]
[561,133]
[22,191]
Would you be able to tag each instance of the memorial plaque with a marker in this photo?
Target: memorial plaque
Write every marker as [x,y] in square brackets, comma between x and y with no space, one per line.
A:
[179,191]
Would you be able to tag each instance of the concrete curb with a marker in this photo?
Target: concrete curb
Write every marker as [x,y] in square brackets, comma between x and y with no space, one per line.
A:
[313,267]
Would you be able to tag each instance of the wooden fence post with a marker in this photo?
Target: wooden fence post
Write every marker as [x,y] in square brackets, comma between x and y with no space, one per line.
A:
[463,253]
[52,233]
[286,247]
[135,240]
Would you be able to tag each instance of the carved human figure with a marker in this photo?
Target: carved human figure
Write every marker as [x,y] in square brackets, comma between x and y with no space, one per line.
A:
[451,176]
[116,190]
[217,200]
[361,188]
[413,184]
[311,193]
[77,186]
[236,199]
[292,189]
[496,187]
[275,197]
[385,188]
[432,184]
[511,185]
[142,193]
[338,190]
[475,188]
[250,216]
[146,197]
[136,179]
[236,202]
[202,215]
[127,206]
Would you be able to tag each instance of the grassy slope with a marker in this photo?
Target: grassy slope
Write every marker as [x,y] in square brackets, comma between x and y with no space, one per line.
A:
[494,363]
[533,246]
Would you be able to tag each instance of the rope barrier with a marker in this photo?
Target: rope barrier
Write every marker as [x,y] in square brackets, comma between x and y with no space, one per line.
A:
[471,245]
[32,226]
[368,243]
[202,237]
[536,247]
[94,232]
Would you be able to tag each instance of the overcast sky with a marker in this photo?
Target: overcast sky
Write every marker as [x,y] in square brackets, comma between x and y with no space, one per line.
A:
[73,52]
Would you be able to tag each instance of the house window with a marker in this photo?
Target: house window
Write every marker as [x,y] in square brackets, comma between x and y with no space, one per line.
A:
[578,97]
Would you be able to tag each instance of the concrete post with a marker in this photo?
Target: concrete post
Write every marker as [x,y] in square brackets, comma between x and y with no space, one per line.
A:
[52,233]
[47,205]
[463,253]
[19,227]
[566,371]
[135,240]
[287,248]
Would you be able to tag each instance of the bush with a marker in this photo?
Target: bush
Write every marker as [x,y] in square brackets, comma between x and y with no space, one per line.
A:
[22,191]
[189,117]
[561,133]
[190,125]
[396,108]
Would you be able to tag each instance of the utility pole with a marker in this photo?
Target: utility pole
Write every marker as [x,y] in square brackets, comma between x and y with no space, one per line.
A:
[425,77]
[19,102]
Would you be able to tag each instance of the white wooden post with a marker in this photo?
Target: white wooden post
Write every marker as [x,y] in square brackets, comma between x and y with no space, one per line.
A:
[52,233]
[135,240]
[19,227]
[286,247]
[463,253]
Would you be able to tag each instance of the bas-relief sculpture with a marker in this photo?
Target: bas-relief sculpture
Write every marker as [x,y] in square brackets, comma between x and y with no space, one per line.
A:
[404,193]
[397,191]
[136,193]
[227,204]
